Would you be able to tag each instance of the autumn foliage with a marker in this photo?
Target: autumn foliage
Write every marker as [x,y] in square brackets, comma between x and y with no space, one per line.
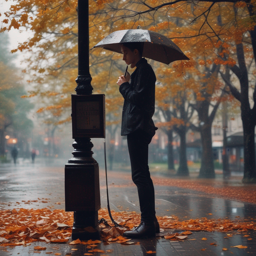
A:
[217,37]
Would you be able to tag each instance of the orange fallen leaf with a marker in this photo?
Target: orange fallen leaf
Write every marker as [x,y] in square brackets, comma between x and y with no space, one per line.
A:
[224,249]
[203,249]
[96,250]
[169,237]
[87,253]
[213,244]
[204,238]
[186,233]
[77,241]
[240,246]
[39,248]
[151,252]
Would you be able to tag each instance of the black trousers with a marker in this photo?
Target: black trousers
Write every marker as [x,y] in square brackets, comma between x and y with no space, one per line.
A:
[138,142]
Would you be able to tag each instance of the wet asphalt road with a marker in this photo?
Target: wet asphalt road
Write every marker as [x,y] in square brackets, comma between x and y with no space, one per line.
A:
[21,184]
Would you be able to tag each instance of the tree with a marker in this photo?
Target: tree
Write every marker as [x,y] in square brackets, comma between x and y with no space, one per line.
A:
[13,109]
[193,26]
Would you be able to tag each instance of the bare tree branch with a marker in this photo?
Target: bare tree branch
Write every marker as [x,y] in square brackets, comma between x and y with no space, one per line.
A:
[232,88]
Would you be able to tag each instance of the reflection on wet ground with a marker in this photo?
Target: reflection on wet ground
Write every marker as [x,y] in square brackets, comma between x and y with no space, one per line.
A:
[21,185]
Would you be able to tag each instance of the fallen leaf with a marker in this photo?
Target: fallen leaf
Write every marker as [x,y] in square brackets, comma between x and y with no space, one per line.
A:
[3,240]
[186,233]
[150,252]
[204,238]
[240,246]
[213,244]
[169,237]
[224,249]
[62,225]
[96,250]
[181,237]
[39,248]
[77,241]
[203,249]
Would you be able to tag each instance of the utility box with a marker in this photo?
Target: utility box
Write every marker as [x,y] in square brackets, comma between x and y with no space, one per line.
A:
[82,191]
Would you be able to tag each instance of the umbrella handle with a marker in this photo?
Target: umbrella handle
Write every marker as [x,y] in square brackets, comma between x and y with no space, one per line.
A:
[125,71]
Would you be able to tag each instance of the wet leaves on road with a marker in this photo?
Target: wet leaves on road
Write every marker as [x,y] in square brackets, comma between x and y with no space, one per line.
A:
[24,226]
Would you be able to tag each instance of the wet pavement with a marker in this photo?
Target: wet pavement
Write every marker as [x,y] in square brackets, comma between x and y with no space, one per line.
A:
[22,184]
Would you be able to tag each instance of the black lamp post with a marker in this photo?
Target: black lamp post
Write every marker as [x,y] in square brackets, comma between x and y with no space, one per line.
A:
[82,193]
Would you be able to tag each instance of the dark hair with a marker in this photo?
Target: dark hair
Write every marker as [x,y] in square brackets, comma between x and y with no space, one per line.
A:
[135,45]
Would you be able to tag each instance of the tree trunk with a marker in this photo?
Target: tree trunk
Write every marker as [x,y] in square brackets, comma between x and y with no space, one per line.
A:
[225,163]
[249,149]
[183,166]
[2,143]
[207,165]
[170,150]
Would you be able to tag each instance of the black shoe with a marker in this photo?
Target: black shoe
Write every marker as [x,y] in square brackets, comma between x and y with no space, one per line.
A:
[157,227]
[142,231]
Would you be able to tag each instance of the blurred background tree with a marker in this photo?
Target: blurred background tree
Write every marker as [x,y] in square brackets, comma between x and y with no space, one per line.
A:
[13,110]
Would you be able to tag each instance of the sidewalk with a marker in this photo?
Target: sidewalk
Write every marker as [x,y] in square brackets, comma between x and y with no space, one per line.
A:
[185,198]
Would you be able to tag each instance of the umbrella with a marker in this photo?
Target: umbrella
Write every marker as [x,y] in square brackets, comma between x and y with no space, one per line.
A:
[156,46]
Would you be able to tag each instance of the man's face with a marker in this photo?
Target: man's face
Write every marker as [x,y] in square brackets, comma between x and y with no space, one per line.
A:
[130,57]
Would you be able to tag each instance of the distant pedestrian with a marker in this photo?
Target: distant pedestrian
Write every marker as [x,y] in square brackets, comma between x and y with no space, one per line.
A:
[33,155]
[14,154]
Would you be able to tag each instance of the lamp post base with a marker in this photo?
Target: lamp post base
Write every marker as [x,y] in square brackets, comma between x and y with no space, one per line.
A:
[82,195]
[85,225]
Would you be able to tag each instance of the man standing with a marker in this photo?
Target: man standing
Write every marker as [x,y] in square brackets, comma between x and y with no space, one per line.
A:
[138,126]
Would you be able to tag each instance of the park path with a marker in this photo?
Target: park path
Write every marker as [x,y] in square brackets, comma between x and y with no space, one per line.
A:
[33,186]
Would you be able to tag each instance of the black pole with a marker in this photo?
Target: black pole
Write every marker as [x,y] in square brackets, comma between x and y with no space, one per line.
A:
[84,78]
[82,171]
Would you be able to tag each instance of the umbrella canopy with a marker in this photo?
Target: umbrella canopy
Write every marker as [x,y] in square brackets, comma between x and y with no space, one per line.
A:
[156,46]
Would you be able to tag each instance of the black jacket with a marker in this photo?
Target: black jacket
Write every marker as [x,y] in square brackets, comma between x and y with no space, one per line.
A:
[139,100]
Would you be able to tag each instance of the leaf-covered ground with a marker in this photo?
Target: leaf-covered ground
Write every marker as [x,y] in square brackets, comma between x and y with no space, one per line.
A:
[24,226]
